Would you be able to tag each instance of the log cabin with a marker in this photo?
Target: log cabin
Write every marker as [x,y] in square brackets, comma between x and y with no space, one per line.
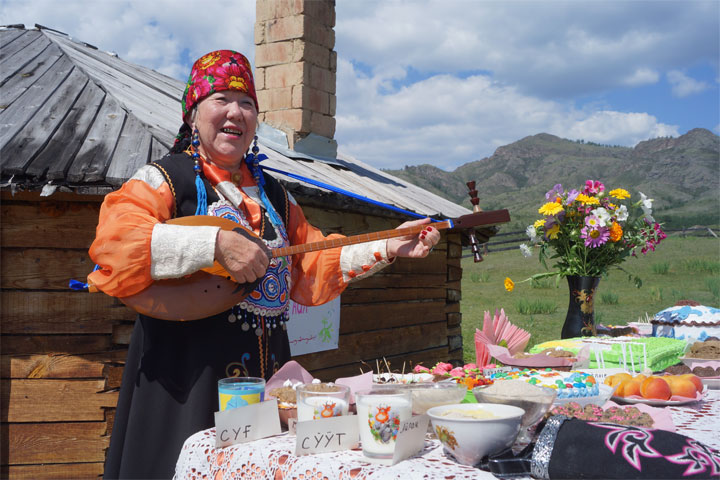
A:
[75,123]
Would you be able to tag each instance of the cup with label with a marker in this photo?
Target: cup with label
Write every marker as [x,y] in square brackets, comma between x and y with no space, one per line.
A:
[379,413]
[321,400]
[236,392]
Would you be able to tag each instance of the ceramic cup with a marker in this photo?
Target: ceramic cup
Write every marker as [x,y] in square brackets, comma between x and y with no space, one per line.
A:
[379,413]
[236,392]
[321,400]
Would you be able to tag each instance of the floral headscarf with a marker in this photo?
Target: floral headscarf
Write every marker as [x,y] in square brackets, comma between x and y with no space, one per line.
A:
[217,71]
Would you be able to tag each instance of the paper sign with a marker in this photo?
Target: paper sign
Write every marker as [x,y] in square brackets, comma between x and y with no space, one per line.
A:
[244,424]
[410,437]
[489,371]
[327,435]
[313,329]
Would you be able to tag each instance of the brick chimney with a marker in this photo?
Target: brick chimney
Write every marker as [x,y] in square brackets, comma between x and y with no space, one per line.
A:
[295,67]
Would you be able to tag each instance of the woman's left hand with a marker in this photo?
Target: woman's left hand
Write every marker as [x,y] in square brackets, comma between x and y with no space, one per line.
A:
[414,246]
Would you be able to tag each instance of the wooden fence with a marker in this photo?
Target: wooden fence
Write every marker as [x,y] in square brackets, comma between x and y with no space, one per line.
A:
[519,236]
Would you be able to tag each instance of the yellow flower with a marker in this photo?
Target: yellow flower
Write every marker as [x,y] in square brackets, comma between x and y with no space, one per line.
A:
[582,198]
[553,232]
[550,208]
[509,284]
[539,223]
[620,193]
[616,232]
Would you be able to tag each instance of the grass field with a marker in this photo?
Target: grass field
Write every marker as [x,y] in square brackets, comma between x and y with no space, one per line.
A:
[679,269]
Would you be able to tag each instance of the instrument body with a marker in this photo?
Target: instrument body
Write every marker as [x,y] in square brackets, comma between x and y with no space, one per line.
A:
[212,290]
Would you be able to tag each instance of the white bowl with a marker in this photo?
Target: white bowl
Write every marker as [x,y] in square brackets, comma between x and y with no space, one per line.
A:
[468,440]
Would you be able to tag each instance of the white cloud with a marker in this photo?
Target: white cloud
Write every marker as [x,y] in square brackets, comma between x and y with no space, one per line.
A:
[447,121]
[684,86]
[642,76]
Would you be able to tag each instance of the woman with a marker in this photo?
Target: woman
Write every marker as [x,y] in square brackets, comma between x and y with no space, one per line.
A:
[169,387]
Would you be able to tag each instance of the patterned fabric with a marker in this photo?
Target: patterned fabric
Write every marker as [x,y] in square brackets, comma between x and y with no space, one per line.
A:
[217,71]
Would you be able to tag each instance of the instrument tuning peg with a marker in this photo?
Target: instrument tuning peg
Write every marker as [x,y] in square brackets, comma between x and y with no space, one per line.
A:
[474,196]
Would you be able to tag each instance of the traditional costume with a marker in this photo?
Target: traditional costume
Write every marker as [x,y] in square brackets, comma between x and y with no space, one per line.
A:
[169,386]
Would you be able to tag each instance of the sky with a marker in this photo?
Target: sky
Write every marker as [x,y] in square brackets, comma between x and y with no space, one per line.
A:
[447,82]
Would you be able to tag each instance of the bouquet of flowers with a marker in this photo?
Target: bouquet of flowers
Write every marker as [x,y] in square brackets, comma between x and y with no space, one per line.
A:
[590,231]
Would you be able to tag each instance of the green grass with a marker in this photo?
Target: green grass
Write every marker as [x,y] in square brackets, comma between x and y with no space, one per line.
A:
[609,298]
[534,307]
[661,268]
[695,276]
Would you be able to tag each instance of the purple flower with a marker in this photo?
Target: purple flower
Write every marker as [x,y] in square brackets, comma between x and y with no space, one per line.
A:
[556,190]
[572,195]
[594,237]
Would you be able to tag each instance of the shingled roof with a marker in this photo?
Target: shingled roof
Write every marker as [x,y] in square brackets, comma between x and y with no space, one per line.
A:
[82,120]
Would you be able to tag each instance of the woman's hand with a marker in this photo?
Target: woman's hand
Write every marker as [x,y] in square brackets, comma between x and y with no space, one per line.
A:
[244,259]
[414,246]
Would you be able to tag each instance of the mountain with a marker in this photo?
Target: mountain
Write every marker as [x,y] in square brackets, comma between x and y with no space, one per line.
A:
[681,174]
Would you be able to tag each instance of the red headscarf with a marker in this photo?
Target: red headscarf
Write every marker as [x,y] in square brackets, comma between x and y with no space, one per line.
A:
[217,71]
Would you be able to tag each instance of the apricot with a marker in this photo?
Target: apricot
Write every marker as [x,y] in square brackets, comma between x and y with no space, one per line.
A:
[632,388]
[683,387]
[695,380]
[655,388]
[617,379]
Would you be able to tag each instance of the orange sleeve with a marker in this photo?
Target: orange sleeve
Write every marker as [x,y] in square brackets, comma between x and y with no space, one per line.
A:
[123,237]
[316,276]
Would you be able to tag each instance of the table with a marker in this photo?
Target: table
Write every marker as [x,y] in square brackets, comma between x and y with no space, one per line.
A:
[274,458]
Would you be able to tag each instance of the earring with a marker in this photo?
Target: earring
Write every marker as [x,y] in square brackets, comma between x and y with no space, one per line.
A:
[195,142]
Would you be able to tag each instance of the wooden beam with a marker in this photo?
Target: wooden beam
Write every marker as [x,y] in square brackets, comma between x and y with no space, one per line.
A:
[33,443]
[59,365]
[372,295]
[379,316]
[43,269]
[53,224]
[40,400]
[54,344]
[361,346]
[60,312]
[57,471]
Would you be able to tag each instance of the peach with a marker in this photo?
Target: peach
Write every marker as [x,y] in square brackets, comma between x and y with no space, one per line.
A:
[681,386]
[655,388]
[695,380]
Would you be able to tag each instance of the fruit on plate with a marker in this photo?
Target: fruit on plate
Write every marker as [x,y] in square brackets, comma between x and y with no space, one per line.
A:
[655,387]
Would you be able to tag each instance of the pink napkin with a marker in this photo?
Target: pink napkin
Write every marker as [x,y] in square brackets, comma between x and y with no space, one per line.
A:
[661,416]
[294,372]
[357,383]
[290,371]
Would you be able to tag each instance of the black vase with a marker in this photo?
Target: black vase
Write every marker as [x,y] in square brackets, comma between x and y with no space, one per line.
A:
[580,319]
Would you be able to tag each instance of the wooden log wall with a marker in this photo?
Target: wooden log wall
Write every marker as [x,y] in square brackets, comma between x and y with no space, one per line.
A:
[63,352]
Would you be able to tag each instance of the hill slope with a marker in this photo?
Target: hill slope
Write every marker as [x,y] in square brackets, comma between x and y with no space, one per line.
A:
[681,174]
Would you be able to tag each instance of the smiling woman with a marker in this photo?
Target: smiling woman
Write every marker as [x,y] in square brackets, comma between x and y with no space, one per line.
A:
[170,382]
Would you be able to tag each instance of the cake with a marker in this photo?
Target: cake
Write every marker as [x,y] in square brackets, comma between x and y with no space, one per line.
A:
[593,413]
[687,322]
[568,384]
[629,353]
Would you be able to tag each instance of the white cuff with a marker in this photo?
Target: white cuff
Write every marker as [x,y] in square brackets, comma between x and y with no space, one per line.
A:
[179,250]
[363,259]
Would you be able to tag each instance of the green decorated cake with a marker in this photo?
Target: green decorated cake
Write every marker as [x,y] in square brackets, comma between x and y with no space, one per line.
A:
[657,354]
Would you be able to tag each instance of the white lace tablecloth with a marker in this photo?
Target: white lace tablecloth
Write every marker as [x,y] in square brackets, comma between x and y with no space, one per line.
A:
[274,457]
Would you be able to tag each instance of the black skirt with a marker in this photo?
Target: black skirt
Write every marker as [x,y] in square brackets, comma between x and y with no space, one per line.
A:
[169,385]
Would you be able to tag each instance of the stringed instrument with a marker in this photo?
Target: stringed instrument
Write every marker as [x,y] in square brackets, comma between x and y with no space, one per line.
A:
[212,290]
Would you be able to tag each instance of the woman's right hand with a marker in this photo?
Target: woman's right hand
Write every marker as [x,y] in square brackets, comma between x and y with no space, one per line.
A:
[244,259]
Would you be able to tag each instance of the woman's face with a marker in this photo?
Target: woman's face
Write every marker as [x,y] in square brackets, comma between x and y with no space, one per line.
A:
[226,126]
